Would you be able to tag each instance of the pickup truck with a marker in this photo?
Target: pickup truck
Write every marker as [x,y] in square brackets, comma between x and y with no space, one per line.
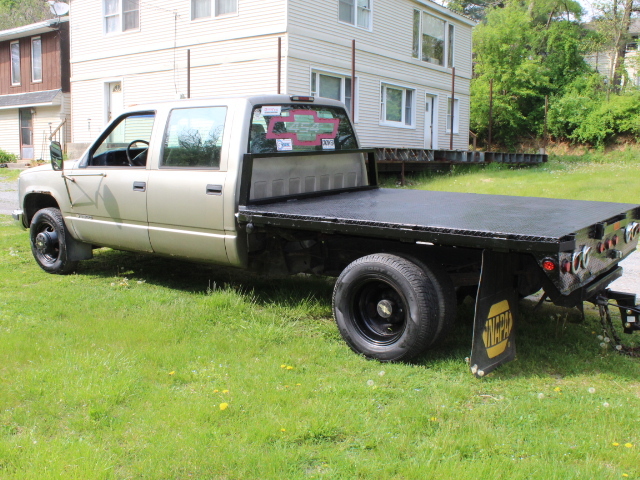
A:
[280,184]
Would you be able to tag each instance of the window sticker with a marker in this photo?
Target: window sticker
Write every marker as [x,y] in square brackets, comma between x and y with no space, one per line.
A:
[284,144]
[270,111]
[302,127]
[328,144]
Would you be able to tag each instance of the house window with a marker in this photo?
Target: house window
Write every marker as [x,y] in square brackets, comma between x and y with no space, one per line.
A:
[121,15]
[456,115]
[433,39]
[202,8]
[333,86]
[36,59]
[355,12]
[15,63]
[397,106]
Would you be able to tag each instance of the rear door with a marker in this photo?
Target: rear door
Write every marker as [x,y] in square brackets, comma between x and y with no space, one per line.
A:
[185,194]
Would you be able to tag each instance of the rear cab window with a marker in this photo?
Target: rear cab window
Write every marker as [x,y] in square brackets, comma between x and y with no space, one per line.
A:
[300,128]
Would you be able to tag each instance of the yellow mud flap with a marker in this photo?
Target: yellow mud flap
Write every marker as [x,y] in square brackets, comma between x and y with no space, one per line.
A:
[496,312]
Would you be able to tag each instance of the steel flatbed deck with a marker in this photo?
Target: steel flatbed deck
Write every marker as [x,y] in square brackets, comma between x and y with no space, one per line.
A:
[447,218]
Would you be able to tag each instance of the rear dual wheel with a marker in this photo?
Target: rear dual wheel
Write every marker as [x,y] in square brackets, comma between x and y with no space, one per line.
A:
[392,308]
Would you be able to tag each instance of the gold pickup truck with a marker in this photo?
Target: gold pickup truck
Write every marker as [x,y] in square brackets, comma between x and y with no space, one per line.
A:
[280,184]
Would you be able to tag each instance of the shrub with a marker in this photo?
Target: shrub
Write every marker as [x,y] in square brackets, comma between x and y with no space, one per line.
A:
[6,157]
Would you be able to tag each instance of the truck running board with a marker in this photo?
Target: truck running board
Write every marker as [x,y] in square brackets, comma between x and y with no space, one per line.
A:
[495,315]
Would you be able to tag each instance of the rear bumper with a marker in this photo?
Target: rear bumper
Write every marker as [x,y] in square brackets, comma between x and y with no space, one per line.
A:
[18,218]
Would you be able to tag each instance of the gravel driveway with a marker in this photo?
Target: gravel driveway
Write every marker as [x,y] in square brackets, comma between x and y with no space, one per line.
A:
[630,282]
[8,196]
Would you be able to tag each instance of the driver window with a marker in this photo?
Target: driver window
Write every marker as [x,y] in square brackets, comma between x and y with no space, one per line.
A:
[126,143]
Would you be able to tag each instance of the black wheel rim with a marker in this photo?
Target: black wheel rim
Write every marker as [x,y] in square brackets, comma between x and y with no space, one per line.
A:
[379,311]
[46,243]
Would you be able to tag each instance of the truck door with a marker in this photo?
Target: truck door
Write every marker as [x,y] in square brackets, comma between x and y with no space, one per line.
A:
[185,196]
[108,191]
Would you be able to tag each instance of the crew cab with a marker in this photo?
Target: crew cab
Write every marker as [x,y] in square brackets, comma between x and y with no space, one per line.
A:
[280,184]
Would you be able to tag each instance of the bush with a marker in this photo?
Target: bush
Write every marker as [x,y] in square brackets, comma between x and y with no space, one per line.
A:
[6,157]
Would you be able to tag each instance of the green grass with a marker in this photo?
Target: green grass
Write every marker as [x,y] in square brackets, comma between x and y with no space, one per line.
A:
[119,371]
[6,174]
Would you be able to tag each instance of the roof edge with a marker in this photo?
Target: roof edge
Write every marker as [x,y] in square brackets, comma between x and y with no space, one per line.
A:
[32,29]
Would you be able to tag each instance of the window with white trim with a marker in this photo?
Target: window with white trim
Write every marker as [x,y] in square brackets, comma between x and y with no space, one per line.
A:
[121,15]
[456,115]
[205,8]
[355,12]
[330,85]
[36,59]
[15,63]
[397,106]
[433,39]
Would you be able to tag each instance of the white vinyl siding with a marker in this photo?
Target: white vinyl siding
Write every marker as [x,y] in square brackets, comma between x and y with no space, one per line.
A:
[36,59]
[355,12]
[15,63]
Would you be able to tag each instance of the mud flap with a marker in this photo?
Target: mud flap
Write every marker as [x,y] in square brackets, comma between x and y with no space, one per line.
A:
[496,312]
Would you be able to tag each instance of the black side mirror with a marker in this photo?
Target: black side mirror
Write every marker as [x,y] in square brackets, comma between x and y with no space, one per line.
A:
[55,151]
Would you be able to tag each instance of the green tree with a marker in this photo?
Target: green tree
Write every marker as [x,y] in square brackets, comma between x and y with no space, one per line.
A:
[529,51]
[15,13]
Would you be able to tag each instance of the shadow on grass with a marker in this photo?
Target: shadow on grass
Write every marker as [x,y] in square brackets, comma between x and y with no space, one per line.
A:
[549,341]
[201,278]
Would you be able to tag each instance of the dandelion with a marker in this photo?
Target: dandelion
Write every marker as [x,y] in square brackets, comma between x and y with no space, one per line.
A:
[605,404]
[541,396]
[592,390]
[224,406]
[289,367]
[370,383]
[283,429]
[557,389]
[600,337]
[172,373]
[283,366]
[615,444]
[628,445]
[382,373]
[216,391]
[434,419]
[225,391]
[298,384]
[625,474]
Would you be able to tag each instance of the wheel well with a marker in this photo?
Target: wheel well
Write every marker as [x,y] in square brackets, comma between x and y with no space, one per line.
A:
[37,201]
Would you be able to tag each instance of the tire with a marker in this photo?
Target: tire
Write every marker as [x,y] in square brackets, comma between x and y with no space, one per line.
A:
[48,242]
[385,309]
[446,303]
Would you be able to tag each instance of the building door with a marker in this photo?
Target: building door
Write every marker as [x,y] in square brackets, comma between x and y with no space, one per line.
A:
[115,100]
[26,134]
[429,116]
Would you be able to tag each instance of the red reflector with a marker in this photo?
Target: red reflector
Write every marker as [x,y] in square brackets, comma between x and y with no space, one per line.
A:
[297,98]
[608,244]
[549,265]
[566,266]
[601,247]
[615,240]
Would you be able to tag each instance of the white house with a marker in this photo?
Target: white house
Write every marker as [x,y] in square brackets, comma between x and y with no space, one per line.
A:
[127,52]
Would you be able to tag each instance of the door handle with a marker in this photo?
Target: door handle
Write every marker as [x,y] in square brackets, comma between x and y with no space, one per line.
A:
[139,186]
[214,189]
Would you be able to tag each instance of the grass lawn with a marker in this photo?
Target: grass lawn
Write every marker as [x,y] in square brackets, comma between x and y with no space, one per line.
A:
[138,367]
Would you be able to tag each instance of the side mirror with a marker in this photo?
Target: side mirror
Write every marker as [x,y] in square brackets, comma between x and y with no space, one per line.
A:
[55,151]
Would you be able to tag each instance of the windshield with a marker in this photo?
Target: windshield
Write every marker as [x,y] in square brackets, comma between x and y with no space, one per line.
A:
[300,128]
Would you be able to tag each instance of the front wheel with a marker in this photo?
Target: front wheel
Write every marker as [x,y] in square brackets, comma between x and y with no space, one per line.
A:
[48,242]
[385,308]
